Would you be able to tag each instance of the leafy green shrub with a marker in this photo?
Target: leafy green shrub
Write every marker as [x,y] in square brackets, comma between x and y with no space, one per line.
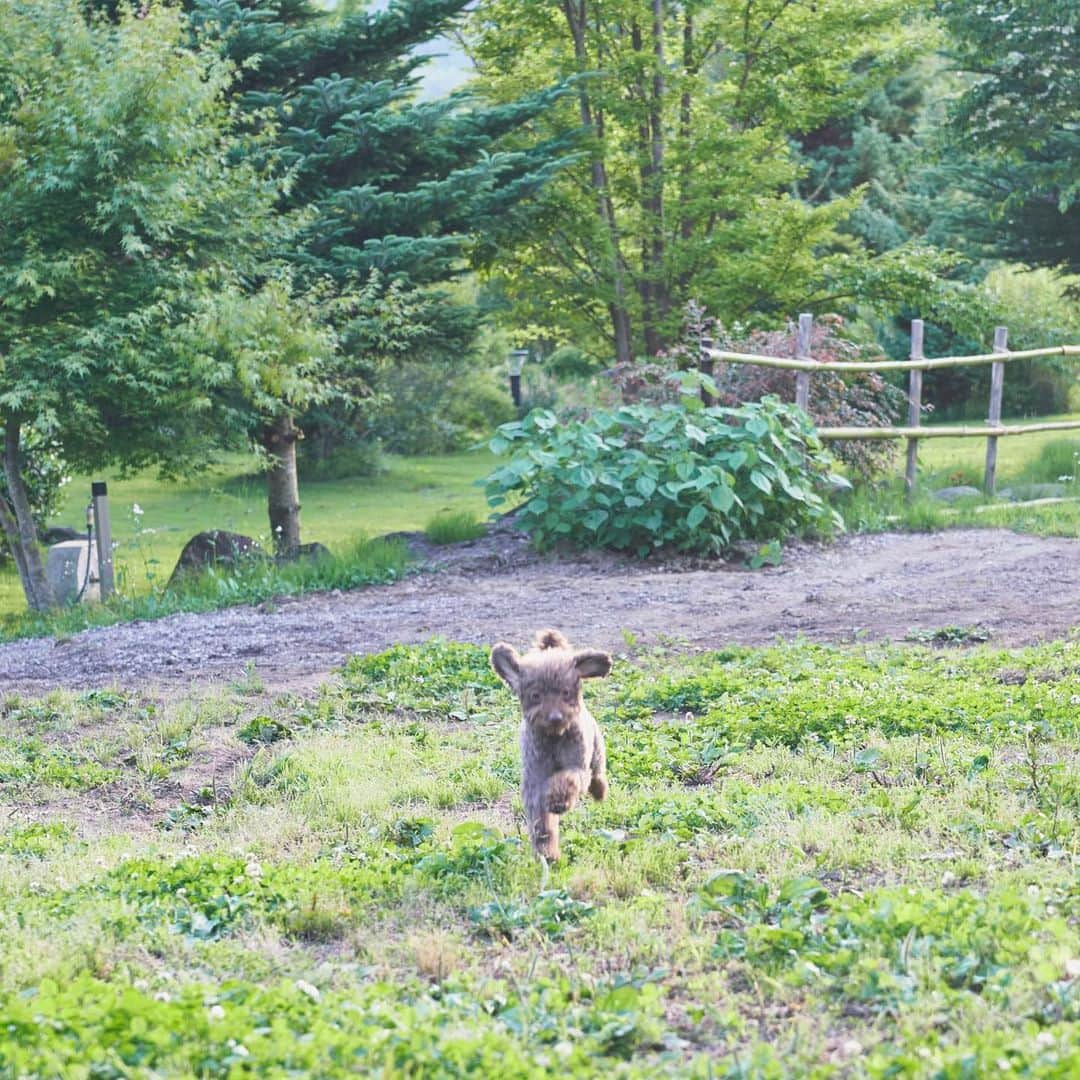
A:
[643,477]
[454,527]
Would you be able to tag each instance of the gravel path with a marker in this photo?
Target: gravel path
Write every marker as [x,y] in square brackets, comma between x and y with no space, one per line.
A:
[1022,588]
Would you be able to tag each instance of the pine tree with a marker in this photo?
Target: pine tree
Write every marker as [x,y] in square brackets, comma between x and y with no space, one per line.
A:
[386,188]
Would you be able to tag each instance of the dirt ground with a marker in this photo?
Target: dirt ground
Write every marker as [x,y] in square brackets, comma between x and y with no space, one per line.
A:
[1021,589]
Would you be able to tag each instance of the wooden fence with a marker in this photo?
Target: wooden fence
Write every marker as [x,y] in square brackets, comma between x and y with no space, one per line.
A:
[804,366]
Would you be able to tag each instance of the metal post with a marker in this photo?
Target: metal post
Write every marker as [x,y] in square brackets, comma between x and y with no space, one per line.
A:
[914,403]
[802,352]
[100,495]
[706,365]
[517,360]
[997,385]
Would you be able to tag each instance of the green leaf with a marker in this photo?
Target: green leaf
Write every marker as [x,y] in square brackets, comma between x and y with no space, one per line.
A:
[697,515]
[722,498]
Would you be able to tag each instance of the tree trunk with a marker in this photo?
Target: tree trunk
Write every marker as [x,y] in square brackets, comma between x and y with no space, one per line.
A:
[575,13]
[282,486]
[17,521]
[661,295]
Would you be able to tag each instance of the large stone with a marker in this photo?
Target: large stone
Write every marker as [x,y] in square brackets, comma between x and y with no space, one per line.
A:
[57,534]
[960,491]
[71,568]
[308,552]
[215,548]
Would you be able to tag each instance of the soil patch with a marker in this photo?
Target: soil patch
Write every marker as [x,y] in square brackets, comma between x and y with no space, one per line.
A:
[1021,589]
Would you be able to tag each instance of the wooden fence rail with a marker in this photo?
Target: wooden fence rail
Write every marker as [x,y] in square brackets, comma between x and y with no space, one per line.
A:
[804,365]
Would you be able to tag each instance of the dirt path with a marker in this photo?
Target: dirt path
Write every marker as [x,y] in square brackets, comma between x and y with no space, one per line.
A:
[1021,588]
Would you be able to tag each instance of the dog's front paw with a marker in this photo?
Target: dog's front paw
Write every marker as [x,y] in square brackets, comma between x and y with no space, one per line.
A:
[561,794]
[598,788]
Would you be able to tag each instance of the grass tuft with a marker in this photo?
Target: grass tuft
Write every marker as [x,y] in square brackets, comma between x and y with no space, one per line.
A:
[454,527]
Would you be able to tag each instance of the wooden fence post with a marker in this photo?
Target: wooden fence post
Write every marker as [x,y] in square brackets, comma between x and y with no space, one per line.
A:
[914,403]
[706,366]
[802,352]
[997,384]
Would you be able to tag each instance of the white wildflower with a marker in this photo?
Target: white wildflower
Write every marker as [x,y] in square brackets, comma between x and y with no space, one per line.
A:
[306,988]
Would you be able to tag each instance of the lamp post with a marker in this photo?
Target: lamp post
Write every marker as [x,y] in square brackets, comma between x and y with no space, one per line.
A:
[516,362]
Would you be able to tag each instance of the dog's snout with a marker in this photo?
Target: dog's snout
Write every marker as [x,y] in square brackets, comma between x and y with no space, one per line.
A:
[555,716]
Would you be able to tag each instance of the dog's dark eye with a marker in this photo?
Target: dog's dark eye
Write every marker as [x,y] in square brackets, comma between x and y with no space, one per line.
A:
[534,697]
[568,695]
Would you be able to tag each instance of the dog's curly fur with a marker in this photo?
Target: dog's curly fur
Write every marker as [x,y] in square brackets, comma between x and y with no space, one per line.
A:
[562,750]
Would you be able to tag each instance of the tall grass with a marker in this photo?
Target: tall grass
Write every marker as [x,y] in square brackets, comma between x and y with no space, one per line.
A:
[454,527]
[366,562]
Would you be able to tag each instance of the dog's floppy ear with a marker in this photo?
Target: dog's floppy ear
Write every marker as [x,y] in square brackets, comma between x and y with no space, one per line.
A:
[506,662]
[592,665]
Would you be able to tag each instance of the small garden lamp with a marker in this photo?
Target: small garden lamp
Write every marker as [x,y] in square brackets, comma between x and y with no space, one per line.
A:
[516,361]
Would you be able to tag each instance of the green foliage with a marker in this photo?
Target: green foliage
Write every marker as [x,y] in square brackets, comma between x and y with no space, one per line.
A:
[453,527]
[551,912]
[645,477]
[1015,127]
[390,194]
[35,841]
[26,762]
[476,853]
[685,186]
[1058,461]
[442,678]
[118,223]
[293,1027]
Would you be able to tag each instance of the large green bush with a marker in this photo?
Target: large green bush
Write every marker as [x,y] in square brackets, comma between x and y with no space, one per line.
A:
[643,477]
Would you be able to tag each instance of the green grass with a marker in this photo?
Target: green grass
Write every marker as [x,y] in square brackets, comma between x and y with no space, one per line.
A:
[814,861]
[455,526]
[1045,457]
[336,513]
[365,562]
[952,460]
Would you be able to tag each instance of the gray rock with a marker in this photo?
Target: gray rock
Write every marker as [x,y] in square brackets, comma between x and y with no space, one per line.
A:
[57,534]
[960,491]
[69,575]
[305,551]
[215,548]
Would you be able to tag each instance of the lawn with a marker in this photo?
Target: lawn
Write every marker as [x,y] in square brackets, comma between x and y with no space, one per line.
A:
[955,460]
[406,497]
[814,861]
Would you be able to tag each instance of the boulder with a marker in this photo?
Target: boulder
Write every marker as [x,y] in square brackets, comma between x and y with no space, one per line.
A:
[71,568]
[57,534]
[305,551]
[960,491]
[215,548]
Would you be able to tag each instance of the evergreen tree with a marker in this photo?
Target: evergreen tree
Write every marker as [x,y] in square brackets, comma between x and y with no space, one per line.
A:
[390,195]
[1014,131]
